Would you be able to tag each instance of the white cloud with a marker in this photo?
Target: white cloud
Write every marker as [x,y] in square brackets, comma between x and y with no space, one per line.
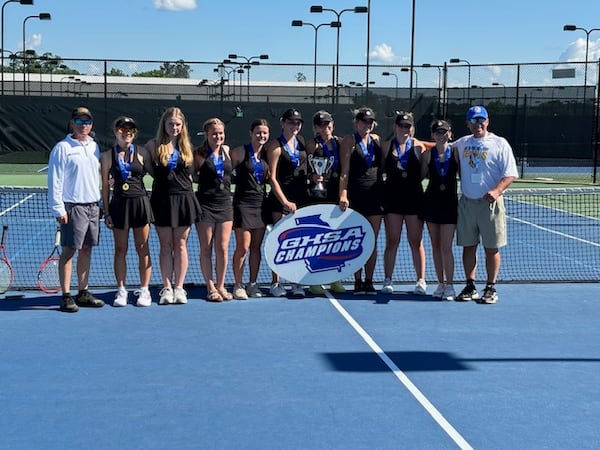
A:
[34,42]
[385,54]
[175,5]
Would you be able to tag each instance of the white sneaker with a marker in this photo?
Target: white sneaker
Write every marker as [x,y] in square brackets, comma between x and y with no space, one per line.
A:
[439,291]
[449,293]
[298,291]
[420,287]
[277,290]
[179,296]
[239,292]
[144,297]
[165,296]
[121,297]
[387,286]
[253,290]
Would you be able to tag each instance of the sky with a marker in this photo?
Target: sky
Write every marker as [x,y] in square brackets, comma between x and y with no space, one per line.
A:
[504,31]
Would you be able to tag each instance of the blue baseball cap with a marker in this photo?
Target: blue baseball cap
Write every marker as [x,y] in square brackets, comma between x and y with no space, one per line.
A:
[477,111]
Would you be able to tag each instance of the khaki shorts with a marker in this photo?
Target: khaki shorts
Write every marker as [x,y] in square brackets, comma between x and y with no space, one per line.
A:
[478,218]
[82,229]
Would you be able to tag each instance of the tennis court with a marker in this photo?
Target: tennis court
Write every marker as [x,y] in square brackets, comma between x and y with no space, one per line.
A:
[396,371]
[384,371]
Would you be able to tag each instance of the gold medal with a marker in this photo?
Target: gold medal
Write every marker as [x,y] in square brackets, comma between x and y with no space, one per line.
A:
[296,172]
[442,187]
[125,186]
[221,186]
[404,174]
[334,174]
[171,175]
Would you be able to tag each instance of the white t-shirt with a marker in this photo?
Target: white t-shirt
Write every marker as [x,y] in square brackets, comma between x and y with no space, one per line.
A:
[483,163]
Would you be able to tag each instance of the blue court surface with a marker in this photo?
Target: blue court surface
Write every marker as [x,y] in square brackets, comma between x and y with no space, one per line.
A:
[370,372]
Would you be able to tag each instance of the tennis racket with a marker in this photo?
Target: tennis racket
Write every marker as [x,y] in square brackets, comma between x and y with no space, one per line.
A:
[48,279]
[7,275]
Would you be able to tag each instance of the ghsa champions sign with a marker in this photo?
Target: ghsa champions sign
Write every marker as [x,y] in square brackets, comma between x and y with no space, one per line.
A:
[319,244]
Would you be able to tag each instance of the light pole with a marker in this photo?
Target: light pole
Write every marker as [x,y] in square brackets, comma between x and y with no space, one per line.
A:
[22,2]
[587,46]
[41,16]
[356,9]
[300,23]
[251,61]
[388,74]
[594,129]
[426,65]
[458,60]
[412,71]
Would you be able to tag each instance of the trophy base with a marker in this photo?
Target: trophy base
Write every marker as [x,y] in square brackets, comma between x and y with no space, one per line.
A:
[319,193]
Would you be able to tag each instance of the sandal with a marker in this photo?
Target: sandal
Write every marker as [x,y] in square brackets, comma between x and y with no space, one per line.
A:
[214,296]
[224,294]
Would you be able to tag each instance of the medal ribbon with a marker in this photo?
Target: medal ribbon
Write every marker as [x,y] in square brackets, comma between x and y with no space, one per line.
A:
[328,154]
[257,164]
[124,166]
[218,162]
[172,163]
[403,157]
[438,166]
[367,150]
[294,154]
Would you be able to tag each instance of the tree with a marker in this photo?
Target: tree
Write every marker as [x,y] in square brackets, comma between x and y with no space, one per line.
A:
[300,77]
[167,70]
[114,72]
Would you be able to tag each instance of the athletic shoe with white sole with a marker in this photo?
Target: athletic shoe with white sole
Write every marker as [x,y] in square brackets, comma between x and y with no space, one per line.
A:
[420,287]
[387,286]
[179,296]
[277,290]
[143,297]
[120,297]
[439,291]
[165,296]
[449,293]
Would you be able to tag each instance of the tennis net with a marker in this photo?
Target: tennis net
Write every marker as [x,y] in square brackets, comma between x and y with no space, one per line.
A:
[553,235]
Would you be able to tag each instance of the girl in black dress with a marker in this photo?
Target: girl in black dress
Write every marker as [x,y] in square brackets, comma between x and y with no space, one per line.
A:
[251,174]
[213,169]
[403,199]
[361,184]
[173,202]
[286,156]
[440,205]
[124,167]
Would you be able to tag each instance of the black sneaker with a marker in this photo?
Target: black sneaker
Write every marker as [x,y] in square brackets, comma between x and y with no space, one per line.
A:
[358,287]
[67,304]
[468,293]
[368,288]
[489,295]
[87,300]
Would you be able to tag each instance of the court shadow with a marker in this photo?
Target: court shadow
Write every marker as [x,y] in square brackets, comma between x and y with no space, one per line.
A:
[406,361]
[32,301]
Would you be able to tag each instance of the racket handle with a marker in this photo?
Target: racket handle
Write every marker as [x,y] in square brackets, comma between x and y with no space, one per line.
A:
[4,231]
[57,237]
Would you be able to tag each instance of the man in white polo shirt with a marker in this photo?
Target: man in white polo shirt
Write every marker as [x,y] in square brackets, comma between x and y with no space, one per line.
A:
[487,168]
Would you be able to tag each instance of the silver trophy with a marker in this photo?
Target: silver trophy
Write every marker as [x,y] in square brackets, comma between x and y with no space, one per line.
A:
[320,165]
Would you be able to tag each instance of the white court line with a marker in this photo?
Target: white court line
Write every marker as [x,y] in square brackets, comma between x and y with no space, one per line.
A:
[549,230]
[417,394]
[16,205]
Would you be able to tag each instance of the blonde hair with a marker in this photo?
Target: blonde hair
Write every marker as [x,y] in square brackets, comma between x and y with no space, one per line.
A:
[203,149]
[163,140]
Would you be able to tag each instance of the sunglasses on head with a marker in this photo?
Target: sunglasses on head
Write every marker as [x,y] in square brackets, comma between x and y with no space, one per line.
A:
[127,131]
[82,121]
[477,120]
